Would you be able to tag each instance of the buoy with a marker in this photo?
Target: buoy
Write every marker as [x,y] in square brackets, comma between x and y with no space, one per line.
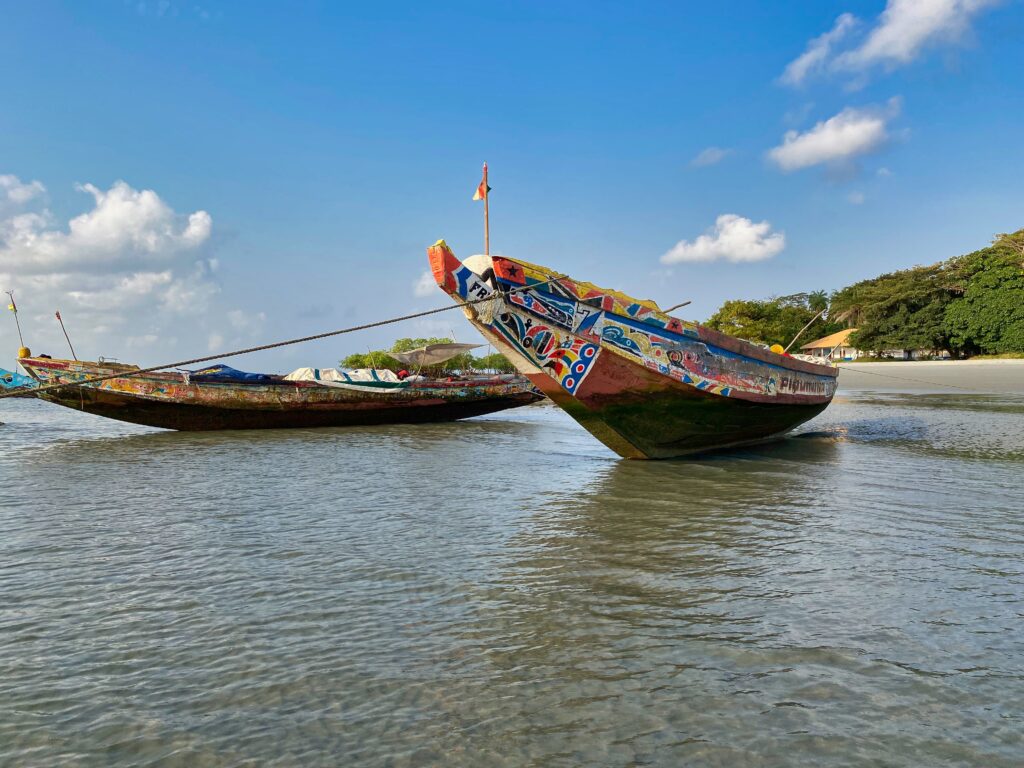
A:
[777,349]
[24,352]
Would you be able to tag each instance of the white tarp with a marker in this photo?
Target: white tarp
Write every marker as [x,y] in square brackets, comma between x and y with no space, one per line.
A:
[432,354]
[334,377]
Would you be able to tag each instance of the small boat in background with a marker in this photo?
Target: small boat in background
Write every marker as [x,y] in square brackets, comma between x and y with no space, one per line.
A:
[224,398]
[647,385]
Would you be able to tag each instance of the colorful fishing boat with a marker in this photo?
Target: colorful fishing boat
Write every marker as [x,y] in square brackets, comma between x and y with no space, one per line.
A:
[223,398]
[12,381]
[647,385]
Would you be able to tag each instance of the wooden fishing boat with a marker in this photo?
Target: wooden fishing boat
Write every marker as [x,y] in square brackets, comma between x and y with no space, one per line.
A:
[647,385]
[222,398]
[12,381]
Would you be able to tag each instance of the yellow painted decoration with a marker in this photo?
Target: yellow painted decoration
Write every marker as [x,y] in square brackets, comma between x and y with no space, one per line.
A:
[24,352]
[777,349]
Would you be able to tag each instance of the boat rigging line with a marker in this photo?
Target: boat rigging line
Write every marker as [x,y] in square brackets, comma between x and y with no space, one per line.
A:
[378,324]
[801,331]
[923,381]
[274,345]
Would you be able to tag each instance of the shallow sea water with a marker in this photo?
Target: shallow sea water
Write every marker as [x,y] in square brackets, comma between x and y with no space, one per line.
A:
[504,592]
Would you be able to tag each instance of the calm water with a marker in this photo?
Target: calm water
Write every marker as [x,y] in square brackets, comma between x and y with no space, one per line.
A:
[505,592]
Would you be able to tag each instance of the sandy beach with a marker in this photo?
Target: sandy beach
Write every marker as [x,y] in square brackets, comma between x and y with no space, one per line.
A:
[983,376]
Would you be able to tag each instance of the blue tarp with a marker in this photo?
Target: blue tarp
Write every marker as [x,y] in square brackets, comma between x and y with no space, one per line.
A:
[12,380]
[225,373]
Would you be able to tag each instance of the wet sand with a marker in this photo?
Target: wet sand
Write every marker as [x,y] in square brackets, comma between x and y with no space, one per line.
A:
[993,376]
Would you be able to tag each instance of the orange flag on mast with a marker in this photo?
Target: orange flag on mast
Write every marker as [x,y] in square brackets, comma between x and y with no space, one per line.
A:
[482,189]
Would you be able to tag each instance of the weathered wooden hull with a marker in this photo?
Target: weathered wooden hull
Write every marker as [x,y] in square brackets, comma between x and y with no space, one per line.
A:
[169,401]
[645,384]
[640,415]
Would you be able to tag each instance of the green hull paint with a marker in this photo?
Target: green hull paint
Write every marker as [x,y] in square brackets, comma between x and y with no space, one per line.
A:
[668,424]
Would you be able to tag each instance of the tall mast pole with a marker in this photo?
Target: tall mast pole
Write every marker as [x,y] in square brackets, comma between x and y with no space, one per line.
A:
[487,223]
[14,309]
[61,321]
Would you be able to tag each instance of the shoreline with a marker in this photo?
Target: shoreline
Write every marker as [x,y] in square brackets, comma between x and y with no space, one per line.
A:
[967,376]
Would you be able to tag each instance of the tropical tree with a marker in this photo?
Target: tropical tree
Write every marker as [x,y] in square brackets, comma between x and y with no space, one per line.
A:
[496,362]
[965,305]
[463,362]
[777,320]
[988,316]
[900,310]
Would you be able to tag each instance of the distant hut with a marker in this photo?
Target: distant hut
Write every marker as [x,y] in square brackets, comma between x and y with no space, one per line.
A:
[833,347]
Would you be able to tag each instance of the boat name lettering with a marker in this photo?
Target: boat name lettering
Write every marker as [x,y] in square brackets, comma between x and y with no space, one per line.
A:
[802,386]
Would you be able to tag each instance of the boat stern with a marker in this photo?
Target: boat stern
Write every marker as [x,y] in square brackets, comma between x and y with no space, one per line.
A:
[52,370]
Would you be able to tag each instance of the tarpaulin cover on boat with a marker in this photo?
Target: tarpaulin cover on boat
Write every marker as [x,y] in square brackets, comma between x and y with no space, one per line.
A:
[373,377]
[227,374]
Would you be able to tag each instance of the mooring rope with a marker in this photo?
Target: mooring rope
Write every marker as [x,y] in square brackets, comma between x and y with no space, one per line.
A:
[923,381]
[274,345]
[377,324]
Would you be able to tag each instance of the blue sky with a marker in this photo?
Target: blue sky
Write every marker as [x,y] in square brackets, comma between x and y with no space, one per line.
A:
[320,147]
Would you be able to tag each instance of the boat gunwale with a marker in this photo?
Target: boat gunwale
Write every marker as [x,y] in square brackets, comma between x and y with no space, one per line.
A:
[708,335]
[99,369]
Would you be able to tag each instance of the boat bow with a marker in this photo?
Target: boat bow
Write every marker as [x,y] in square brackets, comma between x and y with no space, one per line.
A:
[647,384]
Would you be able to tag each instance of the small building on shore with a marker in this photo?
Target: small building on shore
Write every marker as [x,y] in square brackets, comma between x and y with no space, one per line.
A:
[835,346]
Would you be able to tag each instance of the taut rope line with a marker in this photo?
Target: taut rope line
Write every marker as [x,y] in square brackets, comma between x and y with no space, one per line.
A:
[366,326]
[922,381]
[262,347]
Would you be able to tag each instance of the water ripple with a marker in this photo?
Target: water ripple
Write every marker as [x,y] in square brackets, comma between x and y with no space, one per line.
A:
[503,592]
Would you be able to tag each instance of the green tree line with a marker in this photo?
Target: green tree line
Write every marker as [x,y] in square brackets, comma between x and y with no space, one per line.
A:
[966,305]
[380,358]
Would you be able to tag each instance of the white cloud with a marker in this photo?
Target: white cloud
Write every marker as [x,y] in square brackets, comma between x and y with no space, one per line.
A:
[425,285]
[906,27]
[126,228]
[856,198]
[710,156]
[884,172]
[127,270]
[733,238]
[836,141]
[18,192]
[818,51]
[902,32]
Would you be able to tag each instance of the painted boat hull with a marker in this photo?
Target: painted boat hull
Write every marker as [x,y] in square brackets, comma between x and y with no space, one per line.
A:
[639,416]
[11,381]
[647,385]
[170,402]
